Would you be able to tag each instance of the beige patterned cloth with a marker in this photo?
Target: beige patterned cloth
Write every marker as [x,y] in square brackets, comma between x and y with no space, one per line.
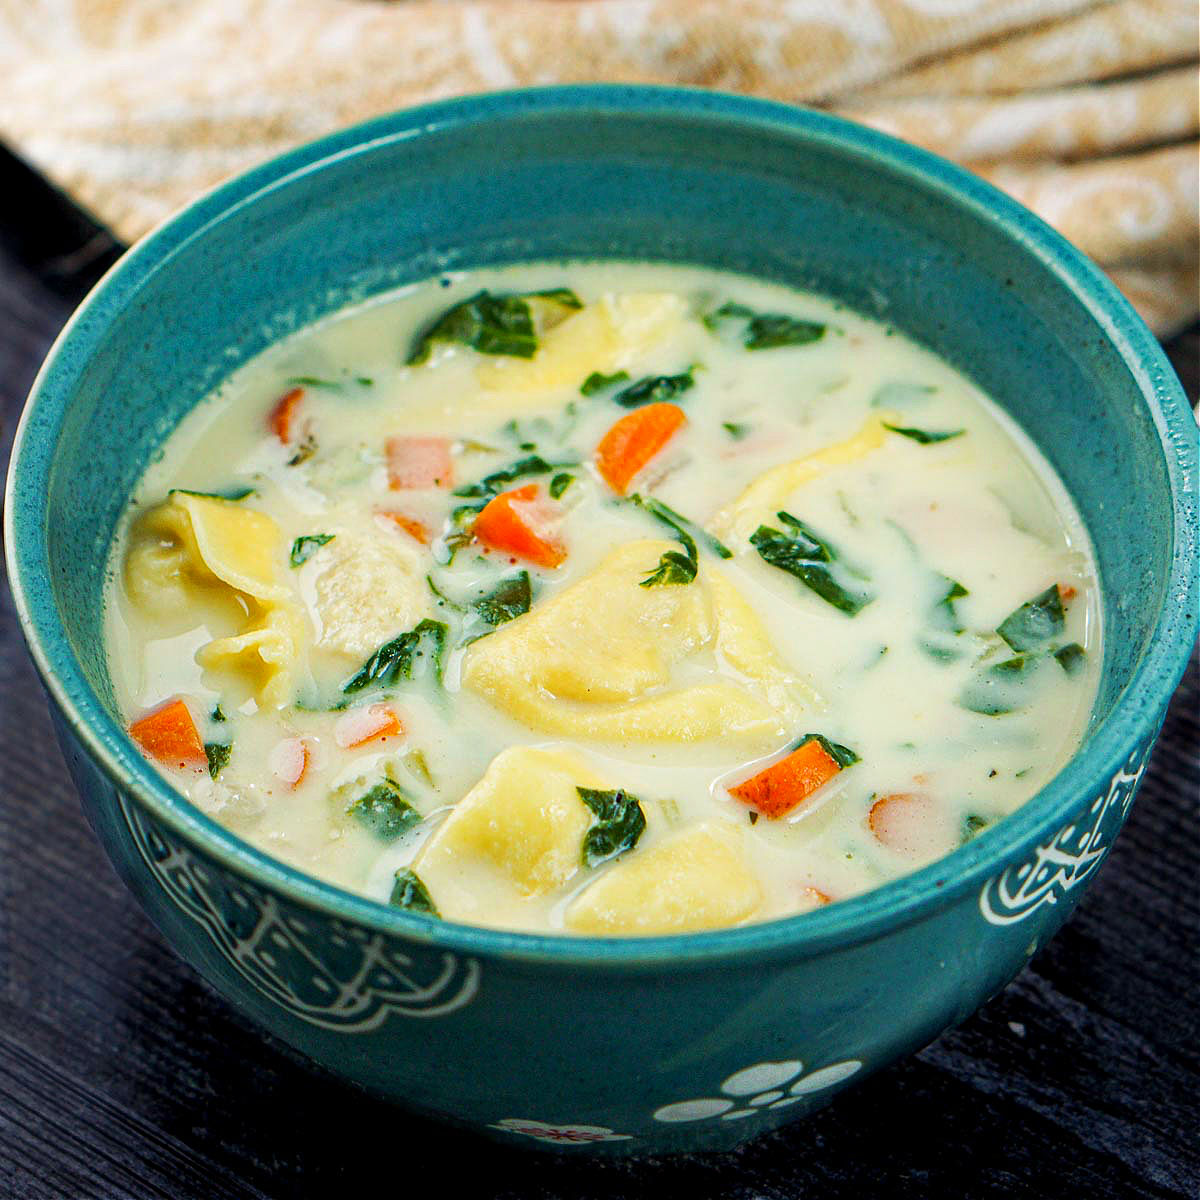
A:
[1085,110]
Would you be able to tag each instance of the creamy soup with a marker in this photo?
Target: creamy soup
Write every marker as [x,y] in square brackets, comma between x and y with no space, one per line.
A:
[607,599]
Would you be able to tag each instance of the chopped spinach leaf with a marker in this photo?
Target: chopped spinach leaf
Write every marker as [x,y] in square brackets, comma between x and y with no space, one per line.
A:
[765,331]
[597,381]
[939,651]
[385,810]
[619,823]
[217,754]
[304,451]
[311,381]
[655,388]
[394,660]
[926,437]
[972,825]
[493,484]
[237,493]
[490,324]
[218,713]
[510,598]
[410,893]
[680,524]
[560,483]
[999,689]
[898,394]
[753,815]
[442,598]
[735,430]
[416,763]
[810,559]
[674,567]
[842,755]
[303,548]
[1035,622]
[1071,657]
[945,615]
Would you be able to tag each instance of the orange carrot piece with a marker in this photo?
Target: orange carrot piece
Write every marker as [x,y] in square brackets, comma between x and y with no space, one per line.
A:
[779,788]
[169,735]
[634,440]
[361,725]
[1066,594]
[814,897]
[520,522]
[419,462]
[409,525]
[284,413]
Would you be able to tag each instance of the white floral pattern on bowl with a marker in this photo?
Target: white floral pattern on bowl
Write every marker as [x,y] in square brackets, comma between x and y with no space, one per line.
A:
[564,1135]
[754,1089]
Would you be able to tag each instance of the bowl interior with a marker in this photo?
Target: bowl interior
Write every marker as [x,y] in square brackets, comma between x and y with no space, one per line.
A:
[595,173]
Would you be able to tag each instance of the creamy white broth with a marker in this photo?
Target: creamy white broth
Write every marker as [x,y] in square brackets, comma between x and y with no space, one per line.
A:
[980,508]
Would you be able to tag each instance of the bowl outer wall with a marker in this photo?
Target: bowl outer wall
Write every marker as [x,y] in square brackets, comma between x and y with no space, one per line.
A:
[1143,699]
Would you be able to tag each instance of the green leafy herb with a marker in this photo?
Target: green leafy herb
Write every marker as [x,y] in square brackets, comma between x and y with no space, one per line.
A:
[1035,622]
[229,494]
[560,483]
[491,324]
[385,810]
[217,754]
[510,598]
[655,388]
[681,525]
[735,430]
[939,651]
[899,394]
[765,331]
[972,825]
[493,484]
[410,893]
[619,823]
[303,548]
[311,381]
[442,597]
[753,815]
[945,616]
[1071,657]
[394,660]
[810,559]
[842,755]
[304,451]
[927,437]
[597,381]
[218,714]
[674,567]
[999,689]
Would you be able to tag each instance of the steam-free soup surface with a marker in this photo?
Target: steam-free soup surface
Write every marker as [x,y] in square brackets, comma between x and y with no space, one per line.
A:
[609,599]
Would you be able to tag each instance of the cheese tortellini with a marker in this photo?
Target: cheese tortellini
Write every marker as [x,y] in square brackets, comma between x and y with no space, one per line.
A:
[600,660]
[193,550]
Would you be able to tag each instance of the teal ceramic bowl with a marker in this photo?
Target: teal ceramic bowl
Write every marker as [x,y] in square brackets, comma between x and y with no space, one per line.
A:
[641,1045]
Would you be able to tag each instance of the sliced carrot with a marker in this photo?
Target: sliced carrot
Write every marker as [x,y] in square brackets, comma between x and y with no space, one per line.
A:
[1066,593]
[419,462]
[779,788]
[813,897]
[169,735]
[522,523]
[289,761]
[634,440]
[409,525]
[373,723]
[283,414]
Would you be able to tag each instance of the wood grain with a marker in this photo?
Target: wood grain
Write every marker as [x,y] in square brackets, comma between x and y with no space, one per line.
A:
[122,1076]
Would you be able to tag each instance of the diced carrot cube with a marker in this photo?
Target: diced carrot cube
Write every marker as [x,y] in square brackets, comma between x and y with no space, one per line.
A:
[521,523]
[283,415]
[373,723]
[169,735]
[634,440]
[419,462]
[409,525]
[778,789]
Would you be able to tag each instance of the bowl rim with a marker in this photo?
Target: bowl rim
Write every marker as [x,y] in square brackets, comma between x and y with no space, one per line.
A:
[893,905]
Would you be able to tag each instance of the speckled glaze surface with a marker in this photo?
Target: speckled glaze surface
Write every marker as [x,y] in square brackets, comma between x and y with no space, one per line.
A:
[640,1045]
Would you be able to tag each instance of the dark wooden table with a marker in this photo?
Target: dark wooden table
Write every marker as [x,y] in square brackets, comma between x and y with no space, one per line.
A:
[122,1076]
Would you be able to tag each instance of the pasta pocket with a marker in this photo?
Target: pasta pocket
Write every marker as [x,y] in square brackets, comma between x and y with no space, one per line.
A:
[599,660]
[697,879]
[199,548]
[518,833]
